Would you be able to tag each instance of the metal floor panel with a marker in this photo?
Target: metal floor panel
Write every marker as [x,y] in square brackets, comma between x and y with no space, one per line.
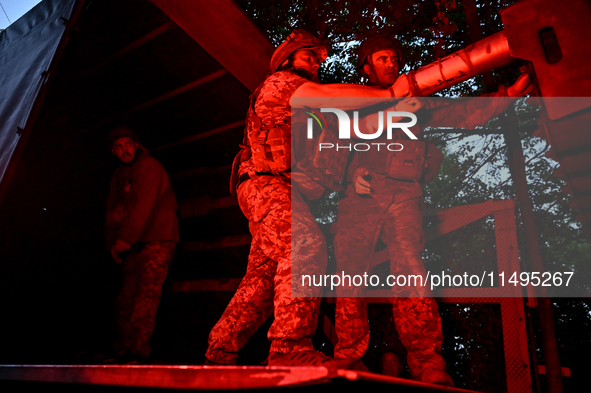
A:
[219,378]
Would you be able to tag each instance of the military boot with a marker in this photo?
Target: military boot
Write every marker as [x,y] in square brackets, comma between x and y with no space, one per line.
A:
[435,377]
[391,364]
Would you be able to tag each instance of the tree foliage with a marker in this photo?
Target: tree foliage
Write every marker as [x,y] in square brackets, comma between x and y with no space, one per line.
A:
[427,30]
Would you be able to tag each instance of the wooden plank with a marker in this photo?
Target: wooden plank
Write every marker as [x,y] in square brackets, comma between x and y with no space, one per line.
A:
[208,285]
[226,33]
[221,203]
[565,370]
[580,184]
[125,50]
[201,171]
[161,98]
[576,163]
[177,91]
[194,207]
[201,135]
[450,212]
[582,204]
[201,206]
[569,135]
[507,248]
[229,241]
[454,218]
[457,217]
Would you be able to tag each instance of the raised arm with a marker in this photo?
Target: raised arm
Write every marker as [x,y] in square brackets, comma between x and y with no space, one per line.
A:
[318,95]
[370,124]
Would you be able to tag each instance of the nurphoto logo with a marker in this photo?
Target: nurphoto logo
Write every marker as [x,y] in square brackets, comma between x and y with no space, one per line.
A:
[393,121]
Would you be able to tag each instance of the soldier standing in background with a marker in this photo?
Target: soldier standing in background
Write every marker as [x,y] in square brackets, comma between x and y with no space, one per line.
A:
[141,220]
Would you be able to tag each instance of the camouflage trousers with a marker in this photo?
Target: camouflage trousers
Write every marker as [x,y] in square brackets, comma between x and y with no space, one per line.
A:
[267,285]
[361,222]
[136,305]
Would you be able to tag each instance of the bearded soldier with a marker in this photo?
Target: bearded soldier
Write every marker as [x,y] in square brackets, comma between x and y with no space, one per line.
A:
[269,190]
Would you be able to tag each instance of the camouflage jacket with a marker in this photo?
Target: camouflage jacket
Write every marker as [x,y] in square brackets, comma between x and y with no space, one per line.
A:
[272,107]
[466,113]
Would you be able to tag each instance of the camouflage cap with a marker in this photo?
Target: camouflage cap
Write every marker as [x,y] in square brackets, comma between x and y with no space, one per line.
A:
[377,43]
[298,39]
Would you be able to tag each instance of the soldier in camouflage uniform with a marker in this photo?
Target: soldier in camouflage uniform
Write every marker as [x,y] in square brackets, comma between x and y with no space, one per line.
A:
[379,207]
[270,195]
[141,220]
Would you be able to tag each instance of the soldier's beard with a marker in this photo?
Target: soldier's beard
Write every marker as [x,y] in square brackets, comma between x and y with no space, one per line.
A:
[307,74]
[138,150]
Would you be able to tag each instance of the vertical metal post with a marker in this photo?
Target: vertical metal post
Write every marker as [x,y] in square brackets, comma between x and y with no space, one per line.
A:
[534,257]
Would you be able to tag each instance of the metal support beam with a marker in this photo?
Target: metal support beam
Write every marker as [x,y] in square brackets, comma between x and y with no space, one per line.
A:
[208,285]
[200,206]
[183,377]
[451,219]
[125,50]
[534,257]
[163,97]
[201,171]
[229,241]
[206,134]
[226,33]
